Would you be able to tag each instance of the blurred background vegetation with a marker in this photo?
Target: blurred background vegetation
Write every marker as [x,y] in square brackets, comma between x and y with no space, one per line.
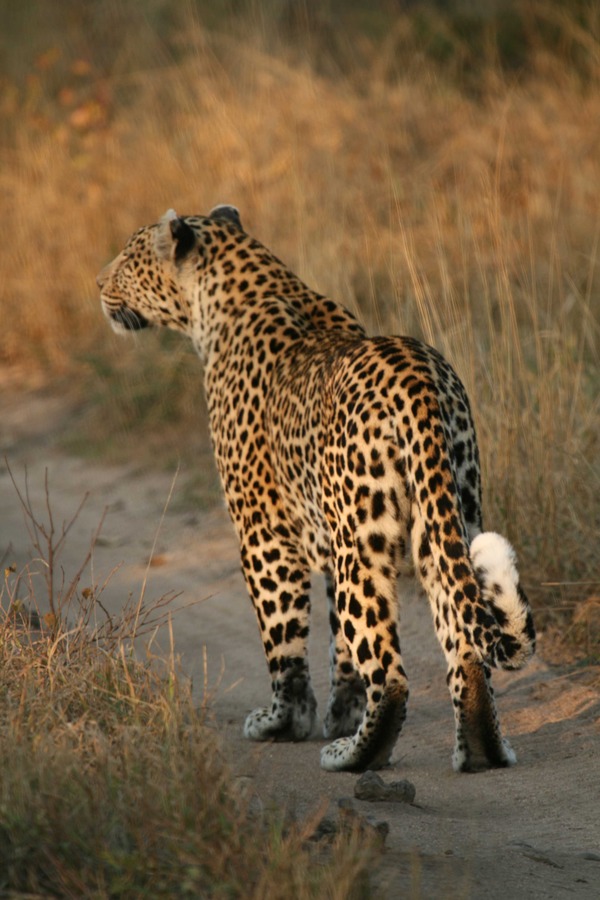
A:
[434,166]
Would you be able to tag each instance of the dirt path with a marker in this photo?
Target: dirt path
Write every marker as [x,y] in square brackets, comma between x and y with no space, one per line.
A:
[532,831]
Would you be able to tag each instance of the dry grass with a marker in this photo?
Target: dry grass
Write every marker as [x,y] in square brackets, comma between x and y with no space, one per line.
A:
[114,786]
[443,198]
[113,782]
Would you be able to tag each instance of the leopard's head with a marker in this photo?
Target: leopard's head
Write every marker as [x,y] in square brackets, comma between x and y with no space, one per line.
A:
[146,284]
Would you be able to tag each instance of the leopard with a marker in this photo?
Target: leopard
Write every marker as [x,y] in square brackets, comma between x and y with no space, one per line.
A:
[339,453]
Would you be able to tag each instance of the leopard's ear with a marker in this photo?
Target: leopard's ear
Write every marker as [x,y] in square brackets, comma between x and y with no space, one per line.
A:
[225,211]
[174,237]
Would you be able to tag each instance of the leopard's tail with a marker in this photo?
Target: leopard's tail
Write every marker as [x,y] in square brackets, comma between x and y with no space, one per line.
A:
[480,581]
[482,584]
[494,563]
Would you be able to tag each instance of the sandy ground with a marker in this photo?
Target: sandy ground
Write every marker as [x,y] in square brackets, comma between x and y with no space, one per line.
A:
[532,831]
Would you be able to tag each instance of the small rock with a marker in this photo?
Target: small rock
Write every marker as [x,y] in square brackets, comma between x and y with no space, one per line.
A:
[372,787]
[350,818]
[325,830]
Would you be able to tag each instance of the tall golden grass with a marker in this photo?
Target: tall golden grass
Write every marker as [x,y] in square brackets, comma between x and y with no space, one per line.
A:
[463,210]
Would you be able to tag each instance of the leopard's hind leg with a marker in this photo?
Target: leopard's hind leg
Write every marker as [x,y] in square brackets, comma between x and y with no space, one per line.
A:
[479,743]
[347,696]
[365,552]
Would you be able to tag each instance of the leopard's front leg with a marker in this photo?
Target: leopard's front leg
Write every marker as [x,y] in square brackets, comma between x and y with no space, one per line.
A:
[279,585]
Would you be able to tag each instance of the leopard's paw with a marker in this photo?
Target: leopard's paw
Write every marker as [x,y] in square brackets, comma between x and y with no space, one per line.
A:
[340,755]
[279,722]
